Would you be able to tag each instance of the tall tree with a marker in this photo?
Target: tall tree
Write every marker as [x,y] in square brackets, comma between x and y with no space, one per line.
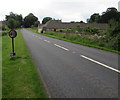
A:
[30,20]
[14,20]
[36,23]
[46,19]
[94,18]
[111,13]
[12,23]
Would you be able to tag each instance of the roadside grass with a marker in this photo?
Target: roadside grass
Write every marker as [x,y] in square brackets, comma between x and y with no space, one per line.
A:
[95,43]
[19,75]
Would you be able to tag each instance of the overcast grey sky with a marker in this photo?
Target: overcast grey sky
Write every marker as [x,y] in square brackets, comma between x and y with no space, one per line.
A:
[67,10]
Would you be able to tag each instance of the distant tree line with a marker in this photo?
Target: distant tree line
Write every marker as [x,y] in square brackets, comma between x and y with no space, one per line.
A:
[109,14]
[17,21]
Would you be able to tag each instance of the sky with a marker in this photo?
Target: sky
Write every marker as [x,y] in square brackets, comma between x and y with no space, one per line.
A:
[65,10]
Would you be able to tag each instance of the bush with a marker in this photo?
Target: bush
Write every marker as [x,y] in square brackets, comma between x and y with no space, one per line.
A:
[114,28]
[72,37]
[4,33]
[92,30]
[5,28]
[78,29]
[115,42]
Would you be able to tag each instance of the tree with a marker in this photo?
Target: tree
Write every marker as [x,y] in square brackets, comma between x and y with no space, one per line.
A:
[94,18]
[12,23]
[30,20]
[20,19]
[14,20]
[12,15]
[111,13]
[111,9]
[114,28]
[82,22]
[46,19]
[114,34]
[36,23]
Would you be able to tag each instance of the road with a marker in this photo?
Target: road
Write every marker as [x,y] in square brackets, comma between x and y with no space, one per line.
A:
[71,70]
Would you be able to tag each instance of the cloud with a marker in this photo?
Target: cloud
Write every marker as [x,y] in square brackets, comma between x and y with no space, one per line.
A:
[67,10]
[80,9]
[119,6]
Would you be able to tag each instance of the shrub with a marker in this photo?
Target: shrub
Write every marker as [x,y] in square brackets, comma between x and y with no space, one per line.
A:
[4,33]
[78,29]
[115,42]
[92,30]
[114,28]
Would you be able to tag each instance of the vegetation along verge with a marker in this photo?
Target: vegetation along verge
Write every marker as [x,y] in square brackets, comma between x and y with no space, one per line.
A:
[20,78]
[104,42]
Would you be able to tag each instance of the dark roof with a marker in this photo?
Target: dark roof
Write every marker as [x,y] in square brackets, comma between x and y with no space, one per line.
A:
[57,24]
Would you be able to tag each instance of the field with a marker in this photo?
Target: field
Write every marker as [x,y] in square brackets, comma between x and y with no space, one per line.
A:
[19,75]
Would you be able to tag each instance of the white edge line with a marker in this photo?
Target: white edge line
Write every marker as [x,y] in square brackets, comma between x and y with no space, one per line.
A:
[61,47]
[101,64]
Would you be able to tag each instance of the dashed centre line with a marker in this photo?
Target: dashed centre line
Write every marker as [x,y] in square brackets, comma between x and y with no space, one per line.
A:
[101,64]
[61,47]
[40,38]
[106,66]
[47,41]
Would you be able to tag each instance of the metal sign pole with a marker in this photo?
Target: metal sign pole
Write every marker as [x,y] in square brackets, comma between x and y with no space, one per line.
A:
[13,45]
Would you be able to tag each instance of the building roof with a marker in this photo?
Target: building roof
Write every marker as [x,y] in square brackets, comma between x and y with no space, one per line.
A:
[58,24]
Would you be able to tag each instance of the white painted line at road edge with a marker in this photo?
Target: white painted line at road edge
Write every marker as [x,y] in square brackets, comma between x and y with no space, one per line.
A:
[101,64]
[61,47]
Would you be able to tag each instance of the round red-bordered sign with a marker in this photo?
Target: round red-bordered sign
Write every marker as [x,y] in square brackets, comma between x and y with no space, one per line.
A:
[12,33]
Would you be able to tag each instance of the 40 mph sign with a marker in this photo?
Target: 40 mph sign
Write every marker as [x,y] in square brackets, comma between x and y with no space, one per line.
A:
[12,34]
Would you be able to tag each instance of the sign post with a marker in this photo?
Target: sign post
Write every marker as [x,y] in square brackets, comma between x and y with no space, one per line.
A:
[12,34]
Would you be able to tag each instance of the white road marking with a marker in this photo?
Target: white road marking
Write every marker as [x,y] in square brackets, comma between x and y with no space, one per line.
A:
[73,52]
[101,64]
[61,47]
[40,38]
[47,41]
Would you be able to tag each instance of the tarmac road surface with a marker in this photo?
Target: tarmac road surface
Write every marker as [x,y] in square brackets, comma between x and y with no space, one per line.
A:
[71,70]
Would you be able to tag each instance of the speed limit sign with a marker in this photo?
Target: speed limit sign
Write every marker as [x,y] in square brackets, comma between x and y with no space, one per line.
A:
[12,33]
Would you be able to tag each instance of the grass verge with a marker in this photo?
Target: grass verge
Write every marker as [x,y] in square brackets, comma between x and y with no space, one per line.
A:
[65,38]
[20,77]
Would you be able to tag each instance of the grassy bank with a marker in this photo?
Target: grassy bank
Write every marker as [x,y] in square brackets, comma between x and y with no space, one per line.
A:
[82,40]
[20,77]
